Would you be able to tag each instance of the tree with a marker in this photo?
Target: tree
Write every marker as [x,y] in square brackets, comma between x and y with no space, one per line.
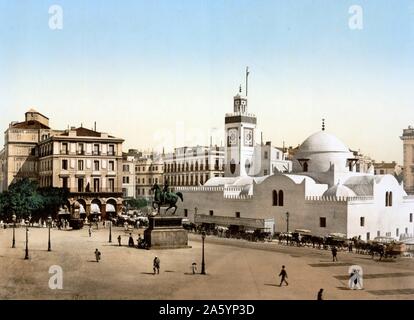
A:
[53,199]
[23,199]
[137,203]
[4,203]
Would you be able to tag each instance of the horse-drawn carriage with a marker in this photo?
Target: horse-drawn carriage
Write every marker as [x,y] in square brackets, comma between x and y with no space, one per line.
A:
[302,237]
[337,240]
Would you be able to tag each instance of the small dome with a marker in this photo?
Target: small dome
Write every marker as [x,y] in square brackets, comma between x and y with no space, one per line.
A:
[322,142]
[339,191]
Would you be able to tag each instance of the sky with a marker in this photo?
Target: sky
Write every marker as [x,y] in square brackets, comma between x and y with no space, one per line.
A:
[163,73]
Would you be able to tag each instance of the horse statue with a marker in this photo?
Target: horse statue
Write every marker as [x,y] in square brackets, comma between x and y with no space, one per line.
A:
[165,198]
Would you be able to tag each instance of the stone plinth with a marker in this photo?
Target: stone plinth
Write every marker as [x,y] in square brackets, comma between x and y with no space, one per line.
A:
[166,232]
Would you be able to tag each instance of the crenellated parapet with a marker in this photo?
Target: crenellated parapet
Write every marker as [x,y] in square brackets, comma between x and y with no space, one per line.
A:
[238,197]
[199,189]
[338,199]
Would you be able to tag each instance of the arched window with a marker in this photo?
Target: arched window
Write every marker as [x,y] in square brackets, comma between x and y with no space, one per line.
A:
[247,165]
[274,196]
[232,166]
[390,198]
[305,167]
[281,198]
[386,198]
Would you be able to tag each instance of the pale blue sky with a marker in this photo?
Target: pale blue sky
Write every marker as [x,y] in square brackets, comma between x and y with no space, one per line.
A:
[147,69]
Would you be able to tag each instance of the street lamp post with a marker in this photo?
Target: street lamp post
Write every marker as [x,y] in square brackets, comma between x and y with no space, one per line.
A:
[14,230]
[203,264]
[287,222]
[26,257]
[110,231]
[49,247]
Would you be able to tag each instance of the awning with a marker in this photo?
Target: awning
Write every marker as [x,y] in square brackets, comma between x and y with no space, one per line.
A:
[110,208]
[95,208]
[81,209]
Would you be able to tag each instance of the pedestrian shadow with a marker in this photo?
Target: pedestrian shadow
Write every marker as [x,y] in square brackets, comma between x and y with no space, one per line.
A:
[271,285]
[170,271]
[343,288]
[92,261]
[113,245]
[150,273]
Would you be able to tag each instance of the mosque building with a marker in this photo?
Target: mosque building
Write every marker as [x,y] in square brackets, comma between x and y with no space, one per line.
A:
[324,190]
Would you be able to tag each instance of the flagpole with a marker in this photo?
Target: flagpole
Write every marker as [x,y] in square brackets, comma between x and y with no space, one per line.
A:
[247,78]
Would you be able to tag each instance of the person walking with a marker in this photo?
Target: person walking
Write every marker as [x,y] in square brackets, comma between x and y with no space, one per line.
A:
[156,265]
[119,240]
[97,255]
[131,240]
[90,231]
[320,292]
[194,267]
[284,276]
[350,245]
[334,253]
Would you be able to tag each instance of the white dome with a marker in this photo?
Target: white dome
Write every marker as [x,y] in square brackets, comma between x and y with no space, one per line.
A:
[322,142]
[339,191]
[321,152]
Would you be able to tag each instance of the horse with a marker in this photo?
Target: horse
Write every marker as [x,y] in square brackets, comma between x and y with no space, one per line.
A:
[170,199]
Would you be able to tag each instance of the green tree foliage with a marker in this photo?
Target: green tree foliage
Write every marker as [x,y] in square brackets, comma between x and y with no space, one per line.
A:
[53,199]
[23,198]
[137,203]
[4,203]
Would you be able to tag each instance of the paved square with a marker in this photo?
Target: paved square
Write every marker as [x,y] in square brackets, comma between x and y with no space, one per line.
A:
[236,269]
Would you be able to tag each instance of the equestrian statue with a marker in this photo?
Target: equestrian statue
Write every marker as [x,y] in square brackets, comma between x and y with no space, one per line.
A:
[165,198]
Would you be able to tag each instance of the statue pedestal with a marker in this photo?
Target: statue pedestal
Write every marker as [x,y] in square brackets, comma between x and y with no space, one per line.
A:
[166,232]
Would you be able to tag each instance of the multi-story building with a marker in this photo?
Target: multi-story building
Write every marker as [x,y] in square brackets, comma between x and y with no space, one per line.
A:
[270,160]
[86,162]
[128,173]
[19,156]
[362,163]
[408,159]
[388,168]
[193,166]
[148,171]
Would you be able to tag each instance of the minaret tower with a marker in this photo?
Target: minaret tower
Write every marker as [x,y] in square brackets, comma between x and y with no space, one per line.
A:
[240,128]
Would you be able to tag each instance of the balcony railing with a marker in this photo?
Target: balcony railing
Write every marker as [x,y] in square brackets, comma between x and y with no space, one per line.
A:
[98,190]
[64,151]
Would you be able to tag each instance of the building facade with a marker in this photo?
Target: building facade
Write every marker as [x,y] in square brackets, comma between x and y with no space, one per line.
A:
[408,159]
[86,162]
[391,168]
[329,189]
[148,171]
[193,166]
[128,173]
[20,155]
[322,194]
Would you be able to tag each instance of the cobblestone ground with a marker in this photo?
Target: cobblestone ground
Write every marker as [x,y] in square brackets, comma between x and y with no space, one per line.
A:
[236,269]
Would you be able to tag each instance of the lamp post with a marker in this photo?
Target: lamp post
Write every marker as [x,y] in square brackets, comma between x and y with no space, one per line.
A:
[26,257]
[287,222]
[110,231]
[203,264]
[49,247]
[14,228]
